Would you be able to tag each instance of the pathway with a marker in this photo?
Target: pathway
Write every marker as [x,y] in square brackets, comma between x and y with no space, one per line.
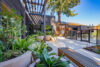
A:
[75,45]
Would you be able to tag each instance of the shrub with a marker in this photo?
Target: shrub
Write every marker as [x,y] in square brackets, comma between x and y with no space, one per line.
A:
[10,30]
[47,61]
[23,44]
[10,27]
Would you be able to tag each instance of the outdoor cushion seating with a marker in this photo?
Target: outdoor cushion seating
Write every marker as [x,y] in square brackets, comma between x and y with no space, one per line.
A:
[77,58]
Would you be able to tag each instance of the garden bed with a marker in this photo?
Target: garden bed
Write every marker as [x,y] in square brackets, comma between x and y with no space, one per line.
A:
[95,49]
[10,54]
[21,61]
[62,59]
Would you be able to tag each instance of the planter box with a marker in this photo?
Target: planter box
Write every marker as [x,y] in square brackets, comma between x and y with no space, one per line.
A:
[21,61]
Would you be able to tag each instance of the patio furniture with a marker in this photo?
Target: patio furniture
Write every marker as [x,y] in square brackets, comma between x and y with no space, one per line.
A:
[77,58]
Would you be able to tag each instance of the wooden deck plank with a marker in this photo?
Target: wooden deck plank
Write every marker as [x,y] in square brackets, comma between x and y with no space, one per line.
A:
[77,58]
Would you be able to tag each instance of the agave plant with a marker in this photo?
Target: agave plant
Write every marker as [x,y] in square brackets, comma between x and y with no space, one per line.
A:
[40,47]
[23,44]
[48,60]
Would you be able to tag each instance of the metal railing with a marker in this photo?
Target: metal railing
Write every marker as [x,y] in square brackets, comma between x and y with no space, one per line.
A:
[91,35]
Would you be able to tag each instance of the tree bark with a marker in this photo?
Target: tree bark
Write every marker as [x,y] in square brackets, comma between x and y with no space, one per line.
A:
[59,17]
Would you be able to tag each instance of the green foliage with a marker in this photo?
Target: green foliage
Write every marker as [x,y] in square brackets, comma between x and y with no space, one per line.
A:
[40,47]
[94,34]
[6,54]
[48,27]
[39,33]
[11,54]
[10,27]
[85,35]
[19,47]
[64,6]
[47,61]
[54,35]
[1,57]
[23,44]
[11,30]
[48,32]
[98,26]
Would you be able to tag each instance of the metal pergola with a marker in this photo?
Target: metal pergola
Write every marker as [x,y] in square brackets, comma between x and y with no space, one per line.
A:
[27,8]
[36,7]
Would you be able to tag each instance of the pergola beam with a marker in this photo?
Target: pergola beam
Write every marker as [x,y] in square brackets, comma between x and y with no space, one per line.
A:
[36,6]
[33,3]
[35,14]
[44,5]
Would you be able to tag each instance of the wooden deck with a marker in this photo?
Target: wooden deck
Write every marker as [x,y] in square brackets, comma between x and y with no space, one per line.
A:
[77,58]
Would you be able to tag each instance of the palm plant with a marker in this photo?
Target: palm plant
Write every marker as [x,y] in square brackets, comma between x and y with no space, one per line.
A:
[63,6]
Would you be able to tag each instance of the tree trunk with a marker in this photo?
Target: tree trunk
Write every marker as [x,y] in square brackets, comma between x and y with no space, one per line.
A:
[59,17]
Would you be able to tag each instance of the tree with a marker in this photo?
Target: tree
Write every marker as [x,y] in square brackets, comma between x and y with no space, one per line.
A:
[63,6]
[98,26]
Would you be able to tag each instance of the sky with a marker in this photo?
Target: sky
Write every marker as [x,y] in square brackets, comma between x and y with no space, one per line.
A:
[88,13]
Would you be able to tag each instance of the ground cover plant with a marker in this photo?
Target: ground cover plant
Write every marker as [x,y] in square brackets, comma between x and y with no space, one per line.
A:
[48,60]
[95,49]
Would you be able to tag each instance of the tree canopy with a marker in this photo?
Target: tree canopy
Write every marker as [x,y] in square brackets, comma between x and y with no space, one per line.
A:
[64,6]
